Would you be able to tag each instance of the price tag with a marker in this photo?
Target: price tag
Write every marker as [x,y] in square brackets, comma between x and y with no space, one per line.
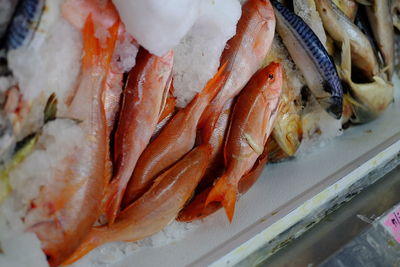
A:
[392,223]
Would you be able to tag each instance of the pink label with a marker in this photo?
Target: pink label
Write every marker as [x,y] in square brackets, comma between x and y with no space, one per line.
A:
[392,223]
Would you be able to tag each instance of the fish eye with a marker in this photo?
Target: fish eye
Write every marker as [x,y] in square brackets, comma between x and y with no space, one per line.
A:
[270,76]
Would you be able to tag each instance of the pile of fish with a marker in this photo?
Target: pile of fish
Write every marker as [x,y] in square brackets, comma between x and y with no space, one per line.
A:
[138,161]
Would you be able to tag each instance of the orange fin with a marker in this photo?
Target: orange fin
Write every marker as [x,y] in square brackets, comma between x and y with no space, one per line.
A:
[112,200]
[94,239]
[94,53]
[215,83]
[226,193]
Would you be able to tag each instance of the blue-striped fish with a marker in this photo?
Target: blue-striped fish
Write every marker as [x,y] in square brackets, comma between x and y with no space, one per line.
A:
[24,23]
[311,58]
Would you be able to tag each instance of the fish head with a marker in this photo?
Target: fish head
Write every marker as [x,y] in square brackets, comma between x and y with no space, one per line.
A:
[273,76]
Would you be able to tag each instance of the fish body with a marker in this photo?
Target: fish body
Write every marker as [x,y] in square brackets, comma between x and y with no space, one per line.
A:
[338,26]
[173,142]
[312,59]
[196,209]
[381,23]
[156,208]
[244,54]
[367,100]
[308,12]
[251,124]
[287,131]
[142,102]
[24,23]
[67,212]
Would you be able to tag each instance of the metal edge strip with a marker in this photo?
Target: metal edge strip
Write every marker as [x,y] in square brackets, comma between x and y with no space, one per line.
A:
[265,229]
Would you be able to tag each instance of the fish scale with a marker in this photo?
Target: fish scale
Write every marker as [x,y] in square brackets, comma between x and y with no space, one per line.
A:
[316,51]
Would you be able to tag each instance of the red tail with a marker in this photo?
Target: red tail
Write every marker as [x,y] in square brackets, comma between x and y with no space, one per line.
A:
[94,239]
[215,83]
[224,192]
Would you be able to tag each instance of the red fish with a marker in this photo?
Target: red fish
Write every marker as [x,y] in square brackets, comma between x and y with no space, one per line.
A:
[156,208]
[143,97]
[251,124]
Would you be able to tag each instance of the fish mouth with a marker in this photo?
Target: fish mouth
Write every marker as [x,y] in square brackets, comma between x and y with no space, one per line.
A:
[333,105]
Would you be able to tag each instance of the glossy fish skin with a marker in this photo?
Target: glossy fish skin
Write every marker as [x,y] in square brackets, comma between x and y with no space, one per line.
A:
[217,141]
[287,131]
[251,124]
[75,206]
[156,208]
[141,107]
[382,26]
[308,12]
[312,59]
[338,26]
[244,54]
[196,209]
[24,23]
[173,142]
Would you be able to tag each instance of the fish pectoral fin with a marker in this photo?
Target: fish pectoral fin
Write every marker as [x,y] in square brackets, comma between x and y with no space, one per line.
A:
[253,144]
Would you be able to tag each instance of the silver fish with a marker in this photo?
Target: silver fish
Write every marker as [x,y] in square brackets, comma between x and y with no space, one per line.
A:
[340,27]
[24,23]
[312,59]
[382,27]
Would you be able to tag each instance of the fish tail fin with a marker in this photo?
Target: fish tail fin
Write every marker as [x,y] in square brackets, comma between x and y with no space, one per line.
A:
[112,201]
[94,239]
[215,83]
[96,53]
[196,209]
[225,193]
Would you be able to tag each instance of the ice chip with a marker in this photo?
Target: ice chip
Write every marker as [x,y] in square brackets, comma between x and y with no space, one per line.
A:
[158,25]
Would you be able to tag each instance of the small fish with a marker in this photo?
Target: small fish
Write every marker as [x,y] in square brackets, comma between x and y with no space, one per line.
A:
[24,23]
[338,26]
[244,53]
[143,97]
[287,131]
[156,208]
[251,124]
[175,140]
[74,194]
[382,26]
[367,100]
[312,59]
[307,10]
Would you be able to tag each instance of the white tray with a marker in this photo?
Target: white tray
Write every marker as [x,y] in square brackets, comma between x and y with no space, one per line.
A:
[286,193]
